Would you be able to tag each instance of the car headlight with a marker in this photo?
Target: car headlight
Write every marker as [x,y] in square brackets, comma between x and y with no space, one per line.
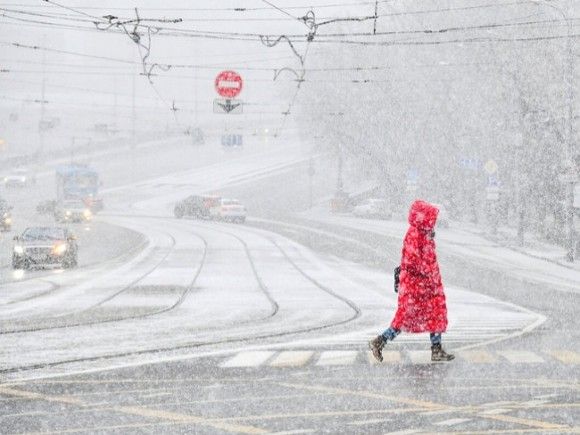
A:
[68,213]
[60,248]
[5,179]
[7,220]
[87,214]
[18,249]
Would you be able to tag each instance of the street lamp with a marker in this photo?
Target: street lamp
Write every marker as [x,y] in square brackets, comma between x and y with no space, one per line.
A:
[569,84]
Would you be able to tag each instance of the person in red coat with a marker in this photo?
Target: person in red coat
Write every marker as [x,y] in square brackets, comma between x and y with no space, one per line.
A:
[421,302]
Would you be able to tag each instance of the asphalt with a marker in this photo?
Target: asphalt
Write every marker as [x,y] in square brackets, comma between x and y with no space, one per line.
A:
[525,384]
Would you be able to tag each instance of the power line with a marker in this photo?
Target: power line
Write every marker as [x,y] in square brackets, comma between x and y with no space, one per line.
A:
[230,9]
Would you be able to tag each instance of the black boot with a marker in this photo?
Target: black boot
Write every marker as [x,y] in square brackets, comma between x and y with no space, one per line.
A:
[376,345]
[438,354]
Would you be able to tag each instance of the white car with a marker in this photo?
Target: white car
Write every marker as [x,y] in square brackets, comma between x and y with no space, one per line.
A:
[72,211]
[230,210]
[18,178]
[373,208]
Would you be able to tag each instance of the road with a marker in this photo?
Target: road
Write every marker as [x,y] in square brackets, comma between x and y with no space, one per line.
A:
[194,326]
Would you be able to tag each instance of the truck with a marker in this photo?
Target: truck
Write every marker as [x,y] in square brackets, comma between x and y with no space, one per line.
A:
[78,182]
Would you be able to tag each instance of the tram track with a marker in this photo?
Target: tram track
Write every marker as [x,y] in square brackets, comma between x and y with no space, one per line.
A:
[356,313]
[124,289]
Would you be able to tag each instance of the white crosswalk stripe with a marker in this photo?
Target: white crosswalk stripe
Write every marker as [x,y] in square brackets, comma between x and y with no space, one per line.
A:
[248,359]
[295,358]
[521,356]
[337,358]
[302,358]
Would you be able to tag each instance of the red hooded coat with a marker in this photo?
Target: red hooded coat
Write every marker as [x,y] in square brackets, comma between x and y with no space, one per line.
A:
[421,305]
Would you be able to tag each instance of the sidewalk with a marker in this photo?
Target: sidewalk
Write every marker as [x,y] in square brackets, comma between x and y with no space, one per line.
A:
[533,246]
[538,261]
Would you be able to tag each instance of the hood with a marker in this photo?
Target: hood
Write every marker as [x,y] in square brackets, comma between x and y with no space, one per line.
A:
[423,215]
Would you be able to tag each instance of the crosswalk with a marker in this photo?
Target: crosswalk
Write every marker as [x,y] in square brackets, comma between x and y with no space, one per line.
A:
[303,358]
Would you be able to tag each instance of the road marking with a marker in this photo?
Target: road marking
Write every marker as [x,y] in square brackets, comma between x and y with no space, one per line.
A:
[477,356]
[369,421]
[391,356]
[566,356]
[452,421]
[494,411]
[429,405]
[526,422]
[290,432]
[292,358]
[404,432]
[318,414]
[368,394]
[420,356]
[337,358]
[248,359]
[506,431]
[520,356]
[138,410]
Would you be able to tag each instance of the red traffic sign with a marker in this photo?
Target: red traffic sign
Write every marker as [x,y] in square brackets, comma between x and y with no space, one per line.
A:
[228,84]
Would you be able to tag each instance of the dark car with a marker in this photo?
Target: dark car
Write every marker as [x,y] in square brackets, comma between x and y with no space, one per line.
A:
[44,246]
[197,206]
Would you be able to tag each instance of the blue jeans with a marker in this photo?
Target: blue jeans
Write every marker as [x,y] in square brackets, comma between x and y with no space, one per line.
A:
[390,333]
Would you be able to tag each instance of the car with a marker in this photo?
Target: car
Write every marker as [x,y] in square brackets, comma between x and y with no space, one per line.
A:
[373,208]
[46,207]
[196,206]
[18,178]
[5,216]
[72,211]
[44,246]
[229,210]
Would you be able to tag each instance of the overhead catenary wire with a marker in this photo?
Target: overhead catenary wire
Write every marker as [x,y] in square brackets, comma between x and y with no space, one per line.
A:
[143,28]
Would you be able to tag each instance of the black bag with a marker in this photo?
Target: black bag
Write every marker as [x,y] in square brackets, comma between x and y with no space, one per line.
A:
[397,273]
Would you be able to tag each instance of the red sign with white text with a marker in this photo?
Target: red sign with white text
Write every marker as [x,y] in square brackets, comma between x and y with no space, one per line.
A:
[228,84]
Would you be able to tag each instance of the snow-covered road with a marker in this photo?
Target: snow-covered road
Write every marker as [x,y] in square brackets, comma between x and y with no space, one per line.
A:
[199,288]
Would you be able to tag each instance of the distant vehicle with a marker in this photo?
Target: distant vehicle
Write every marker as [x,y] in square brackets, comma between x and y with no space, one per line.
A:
[46,207]
[18,178]
[230,210]
[78,182]
[196,206]
[373,208]
[5,216]
[72,211]
[197,136]
[44,246]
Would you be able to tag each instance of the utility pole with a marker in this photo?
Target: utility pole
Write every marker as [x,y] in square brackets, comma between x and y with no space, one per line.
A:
[133,114]
[41,123]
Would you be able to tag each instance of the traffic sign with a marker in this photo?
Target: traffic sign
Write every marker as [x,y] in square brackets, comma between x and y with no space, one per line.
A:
[493,181]
[490,167]
[412,176]
[228,84]
[233,107]
[232,140]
